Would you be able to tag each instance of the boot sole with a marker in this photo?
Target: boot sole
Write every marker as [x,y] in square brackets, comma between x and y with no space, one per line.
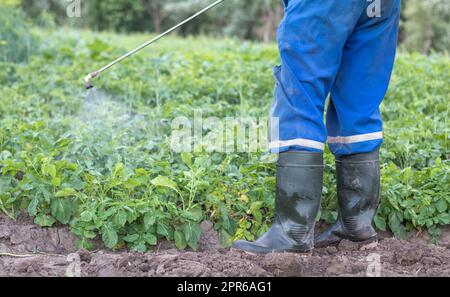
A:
[271,252]
[359,242]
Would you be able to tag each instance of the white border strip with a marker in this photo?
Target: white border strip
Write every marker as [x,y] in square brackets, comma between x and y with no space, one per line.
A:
[299,142]
[356,138]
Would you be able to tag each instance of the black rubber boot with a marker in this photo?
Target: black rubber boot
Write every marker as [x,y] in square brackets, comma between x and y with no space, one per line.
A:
[298,196]
[358,189]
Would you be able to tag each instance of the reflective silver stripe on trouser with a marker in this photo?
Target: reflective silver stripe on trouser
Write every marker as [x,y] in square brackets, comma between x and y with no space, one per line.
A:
[356,138]
[297,142]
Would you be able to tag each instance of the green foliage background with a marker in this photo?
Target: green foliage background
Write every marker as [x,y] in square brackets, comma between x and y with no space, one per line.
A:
[424,27]
[105,167]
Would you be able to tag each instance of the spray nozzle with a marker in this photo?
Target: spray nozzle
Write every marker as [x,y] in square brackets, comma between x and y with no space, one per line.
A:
[88,79]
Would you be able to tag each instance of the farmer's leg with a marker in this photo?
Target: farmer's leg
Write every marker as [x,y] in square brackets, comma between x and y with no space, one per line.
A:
[311,39]
[354,122]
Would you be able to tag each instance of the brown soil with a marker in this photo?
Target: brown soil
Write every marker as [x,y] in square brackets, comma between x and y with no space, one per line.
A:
[52,252]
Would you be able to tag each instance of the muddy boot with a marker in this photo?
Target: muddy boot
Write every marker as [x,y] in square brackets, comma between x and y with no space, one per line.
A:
[358,189]
[298,196]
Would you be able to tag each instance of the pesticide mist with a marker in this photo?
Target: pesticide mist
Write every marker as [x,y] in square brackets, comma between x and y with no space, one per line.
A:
[107,130]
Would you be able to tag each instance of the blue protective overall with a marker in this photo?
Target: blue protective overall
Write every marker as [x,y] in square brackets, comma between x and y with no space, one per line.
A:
[345,48]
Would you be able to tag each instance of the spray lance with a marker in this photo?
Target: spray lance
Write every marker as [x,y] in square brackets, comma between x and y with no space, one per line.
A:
[90,76]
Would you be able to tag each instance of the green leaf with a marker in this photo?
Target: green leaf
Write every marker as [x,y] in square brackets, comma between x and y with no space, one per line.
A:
[32,207]
[47,195]
[118,169]
[192,233]
[149,220]
[56,181]
[256,206]
[89,234]
[62,143]
[187,159]
[162,229]
[187,231]
[194,214]
[84,243]
[61,210]
[140,247]
[444,218]
[257,215]
[132,183]
[66,193]
[180,241]
[120,219]
[396,226]
[131,238]
[109,236]
[150,238]
[49,170]
[108,213]
[394,222]
[380,223]
[44,220]
[86,216]
[441,205]
[164,181]
[225,239]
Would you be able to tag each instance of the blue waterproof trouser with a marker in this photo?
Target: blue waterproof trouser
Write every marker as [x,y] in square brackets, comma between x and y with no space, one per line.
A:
[345,48]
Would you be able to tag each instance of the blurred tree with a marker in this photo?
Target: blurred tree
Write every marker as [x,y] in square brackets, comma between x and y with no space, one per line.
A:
[244,19]
[154,9]
[35,8]
[16,41]
[118,15]
[439,14]
[271,15]
[426,25]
